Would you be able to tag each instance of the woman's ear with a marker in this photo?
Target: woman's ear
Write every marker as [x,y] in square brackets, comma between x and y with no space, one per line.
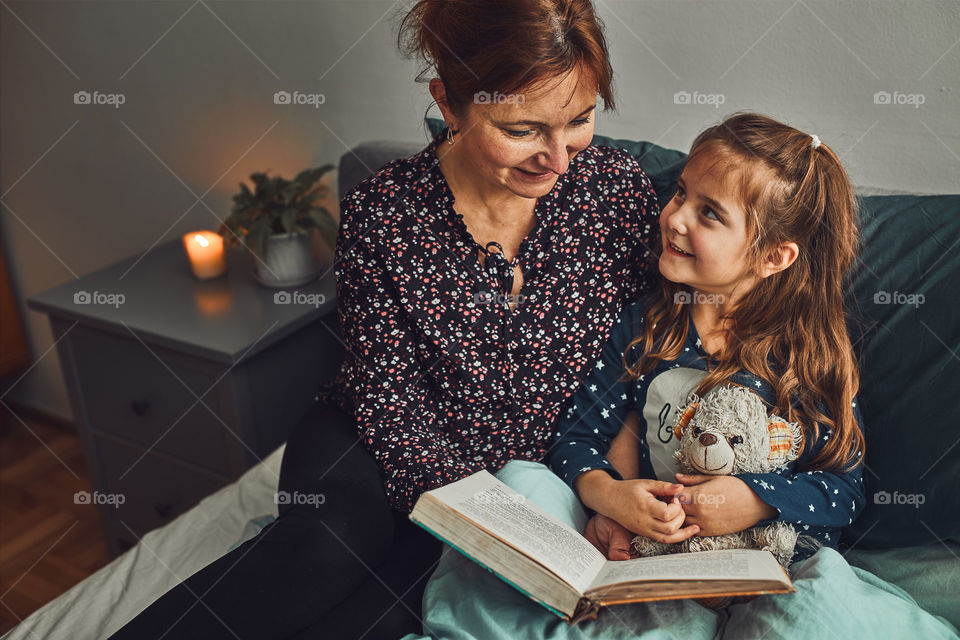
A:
[439,93]
[779,259]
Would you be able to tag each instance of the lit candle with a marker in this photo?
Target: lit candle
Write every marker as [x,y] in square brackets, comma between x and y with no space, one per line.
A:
[205,250]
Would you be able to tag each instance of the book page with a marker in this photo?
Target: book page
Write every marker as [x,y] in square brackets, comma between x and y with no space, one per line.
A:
[727,564]
[509,516]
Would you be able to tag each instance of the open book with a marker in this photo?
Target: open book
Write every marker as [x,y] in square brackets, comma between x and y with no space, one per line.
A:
[557,567]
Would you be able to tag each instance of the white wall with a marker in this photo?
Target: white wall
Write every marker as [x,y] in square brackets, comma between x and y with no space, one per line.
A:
[83,186]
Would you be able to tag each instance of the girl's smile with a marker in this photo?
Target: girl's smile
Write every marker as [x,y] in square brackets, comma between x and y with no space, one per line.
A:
[677,250]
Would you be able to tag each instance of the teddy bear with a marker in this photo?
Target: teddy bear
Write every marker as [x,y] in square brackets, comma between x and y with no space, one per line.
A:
[726,432]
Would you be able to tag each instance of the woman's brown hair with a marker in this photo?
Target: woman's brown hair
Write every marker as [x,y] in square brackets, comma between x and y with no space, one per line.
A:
[506,46]
[790,330]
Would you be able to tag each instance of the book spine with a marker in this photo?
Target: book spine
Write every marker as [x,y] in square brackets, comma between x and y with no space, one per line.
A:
[587,609]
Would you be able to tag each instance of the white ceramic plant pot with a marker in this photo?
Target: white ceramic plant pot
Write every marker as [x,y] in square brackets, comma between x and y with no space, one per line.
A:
[287,261]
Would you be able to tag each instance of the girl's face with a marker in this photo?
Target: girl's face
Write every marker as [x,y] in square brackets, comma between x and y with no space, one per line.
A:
[706,222]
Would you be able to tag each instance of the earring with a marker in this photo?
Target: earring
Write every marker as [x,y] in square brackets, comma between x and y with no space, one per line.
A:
[449,134]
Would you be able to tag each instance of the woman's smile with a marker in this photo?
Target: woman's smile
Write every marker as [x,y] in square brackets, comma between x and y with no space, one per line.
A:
[534,177]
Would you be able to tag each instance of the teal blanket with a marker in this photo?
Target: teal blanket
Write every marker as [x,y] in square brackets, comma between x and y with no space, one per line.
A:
[833,598]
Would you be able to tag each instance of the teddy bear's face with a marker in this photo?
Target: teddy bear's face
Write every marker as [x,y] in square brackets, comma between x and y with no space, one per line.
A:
[713,451]
[729,431]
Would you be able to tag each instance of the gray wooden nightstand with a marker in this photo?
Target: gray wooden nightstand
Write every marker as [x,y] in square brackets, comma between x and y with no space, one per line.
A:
[179,386]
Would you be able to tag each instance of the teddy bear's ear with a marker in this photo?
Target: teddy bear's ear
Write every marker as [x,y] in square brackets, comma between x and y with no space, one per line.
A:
[785,440]
[685,419]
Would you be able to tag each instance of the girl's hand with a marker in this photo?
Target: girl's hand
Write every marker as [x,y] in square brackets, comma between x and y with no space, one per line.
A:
[610,538]
[636,505]
[721,504]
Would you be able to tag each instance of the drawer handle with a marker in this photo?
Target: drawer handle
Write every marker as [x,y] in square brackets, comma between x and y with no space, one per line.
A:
[163,509]
[140,406]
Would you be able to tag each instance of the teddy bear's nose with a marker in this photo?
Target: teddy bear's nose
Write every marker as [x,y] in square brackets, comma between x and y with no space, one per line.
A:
[708,439]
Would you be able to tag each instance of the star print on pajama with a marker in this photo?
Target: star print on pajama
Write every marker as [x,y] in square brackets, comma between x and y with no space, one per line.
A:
[816,503]
[443,380]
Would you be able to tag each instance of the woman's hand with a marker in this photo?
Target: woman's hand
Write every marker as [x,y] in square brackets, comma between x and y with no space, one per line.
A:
[610,538]
[721,504]
[636,505]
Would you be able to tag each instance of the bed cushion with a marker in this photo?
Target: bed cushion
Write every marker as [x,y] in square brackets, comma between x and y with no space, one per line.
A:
[929,573]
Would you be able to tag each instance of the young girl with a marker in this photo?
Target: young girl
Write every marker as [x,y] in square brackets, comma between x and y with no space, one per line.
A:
[755,244]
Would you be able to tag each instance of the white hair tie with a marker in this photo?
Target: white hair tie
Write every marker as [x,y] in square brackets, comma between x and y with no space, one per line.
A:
[815,143]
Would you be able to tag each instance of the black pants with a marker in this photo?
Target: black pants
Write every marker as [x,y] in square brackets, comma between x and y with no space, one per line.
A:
[342,566]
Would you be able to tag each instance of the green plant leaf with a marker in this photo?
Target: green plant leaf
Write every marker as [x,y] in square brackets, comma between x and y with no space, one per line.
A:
[290,193]
[288,219]
[257,237]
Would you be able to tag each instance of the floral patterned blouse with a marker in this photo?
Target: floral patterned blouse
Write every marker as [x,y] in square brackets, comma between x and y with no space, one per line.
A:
[442,376]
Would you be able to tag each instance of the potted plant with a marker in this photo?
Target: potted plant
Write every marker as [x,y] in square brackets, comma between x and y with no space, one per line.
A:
[275,222]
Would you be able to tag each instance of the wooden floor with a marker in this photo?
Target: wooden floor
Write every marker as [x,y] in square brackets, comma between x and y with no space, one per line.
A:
[47,542]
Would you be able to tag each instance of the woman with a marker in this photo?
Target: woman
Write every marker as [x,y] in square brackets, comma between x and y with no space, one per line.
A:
[477,281]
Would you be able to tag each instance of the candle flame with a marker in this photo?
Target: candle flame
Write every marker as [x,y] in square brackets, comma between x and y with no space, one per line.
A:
[203,242]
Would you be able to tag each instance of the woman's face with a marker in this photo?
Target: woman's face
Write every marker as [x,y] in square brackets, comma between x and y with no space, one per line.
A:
[523,142]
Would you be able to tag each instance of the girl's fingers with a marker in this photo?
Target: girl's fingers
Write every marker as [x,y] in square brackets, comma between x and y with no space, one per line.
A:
[660,488]
[671,511]
[693,478]
[663,511]
[668,527]
[682,534]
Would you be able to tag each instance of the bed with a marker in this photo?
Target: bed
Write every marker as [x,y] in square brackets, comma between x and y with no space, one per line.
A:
[108,599]
[911,367]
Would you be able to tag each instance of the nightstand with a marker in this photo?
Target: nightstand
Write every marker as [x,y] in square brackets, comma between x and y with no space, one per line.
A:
[179,386]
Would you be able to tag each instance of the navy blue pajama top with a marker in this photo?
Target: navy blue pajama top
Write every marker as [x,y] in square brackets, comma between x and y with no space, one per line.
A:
[442,378]
[816,503]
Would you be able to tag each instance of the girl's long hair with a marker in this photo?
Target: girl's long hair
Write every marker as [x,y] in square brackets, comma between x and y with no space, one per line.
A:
[790,330]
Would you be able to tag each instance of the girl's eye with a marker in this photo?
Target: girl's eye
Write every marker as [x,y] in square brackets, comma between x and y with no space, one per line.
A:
[697,431]
[522,134]
[736,440]
[708,210]
[679,193]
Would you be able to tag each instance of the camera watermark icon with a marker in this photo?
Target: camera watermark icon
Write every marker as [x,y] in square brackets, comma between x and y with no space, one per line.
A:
[899,99]
[285,497]
[696,98]
[485,97]
[96,97]
[97,297]
[698,297]
[885,297]
[297,97]
[113,499]
[885,497]
[299,297]
[499,298]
